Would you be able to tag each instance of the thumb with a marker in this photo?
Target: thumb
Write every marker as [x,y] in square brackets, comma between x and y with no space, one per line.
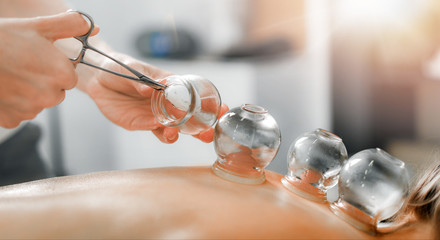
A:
[63,25]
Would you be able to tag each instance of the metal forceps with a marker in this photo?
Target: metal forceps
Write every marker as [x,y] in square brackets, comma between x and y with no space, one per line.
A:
[85,46]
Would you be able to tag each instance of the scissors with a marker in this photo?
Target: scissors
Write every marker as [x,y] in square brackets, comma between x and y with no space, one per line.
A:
[86,46]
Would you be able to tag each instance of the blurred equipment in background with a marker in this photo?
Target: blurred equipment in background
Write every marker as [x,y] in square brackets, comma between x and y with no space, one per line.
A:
[176,44]
[271,48]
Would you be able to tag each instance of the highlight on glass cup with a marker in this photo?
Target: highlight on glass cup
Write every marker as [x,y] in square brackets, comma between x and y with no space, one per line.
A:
[247,139]
[314,161]
[372,188]
[190,102]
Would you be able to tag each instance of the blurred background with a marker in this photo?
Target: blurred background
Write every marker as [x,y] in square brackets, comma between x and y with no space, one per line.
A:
[366,70]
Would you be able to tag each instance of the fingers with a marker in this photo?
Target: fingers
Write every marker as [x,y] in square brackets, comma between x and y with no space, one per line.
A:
[151,72]
[126,85]
[167,135]
[143,89]
[148,70]
[49,100]
[224,108]
[14,117]
[63,25]
[208,135]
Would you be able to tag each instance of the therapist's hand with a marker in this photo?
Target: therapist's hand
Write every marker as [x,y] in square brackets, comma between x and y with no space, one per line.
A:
[33,73]
[127,103]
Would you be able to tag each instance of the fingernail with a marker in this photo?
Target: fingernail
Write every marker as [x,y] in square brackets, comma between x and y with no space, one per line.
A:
[171,137]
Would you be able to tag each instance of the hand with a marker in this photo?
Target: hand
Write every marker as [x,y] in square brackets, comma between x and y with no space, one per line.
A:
[127,103]
[33,73]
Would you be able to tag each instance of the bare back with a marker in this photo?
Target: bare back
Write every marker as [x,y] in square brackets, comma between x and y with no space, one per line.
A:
[187,202]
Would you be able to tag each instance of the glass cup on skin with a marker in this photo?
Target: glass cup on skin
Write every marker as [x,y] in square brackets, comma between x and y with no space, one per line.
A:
[247,139]
[372,188]
[314,161]
[190,103]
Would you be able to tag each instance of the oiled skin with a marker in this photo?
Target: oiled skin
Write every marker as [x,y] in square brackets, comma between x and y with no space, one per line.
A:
[186,202]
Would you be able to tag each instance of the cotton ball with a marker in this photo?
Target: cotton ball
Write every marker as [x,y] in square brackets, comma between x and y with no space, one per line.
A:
[179,96]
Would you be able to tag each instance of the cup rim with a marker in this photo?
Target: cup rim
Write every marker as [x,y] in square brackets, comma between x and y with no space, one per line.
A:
[252,108]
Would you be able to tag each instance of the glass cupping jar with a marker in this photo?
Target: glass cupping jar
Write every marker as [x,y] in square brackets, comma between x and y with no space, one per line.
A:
[247,139]
[373,186]
[189,102]
[315,159]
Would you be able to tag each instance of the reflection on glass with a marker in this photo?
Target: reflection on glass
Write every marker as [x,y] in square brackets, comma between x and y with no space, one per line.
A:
[314,159]
[372,188]
[247,138]
[191,103]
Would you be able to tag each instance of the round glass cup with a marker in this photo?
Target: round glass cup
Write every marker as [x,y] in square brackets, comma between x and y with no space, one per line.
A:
[190,103]
[372,188]
[314,161]
[247,139]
